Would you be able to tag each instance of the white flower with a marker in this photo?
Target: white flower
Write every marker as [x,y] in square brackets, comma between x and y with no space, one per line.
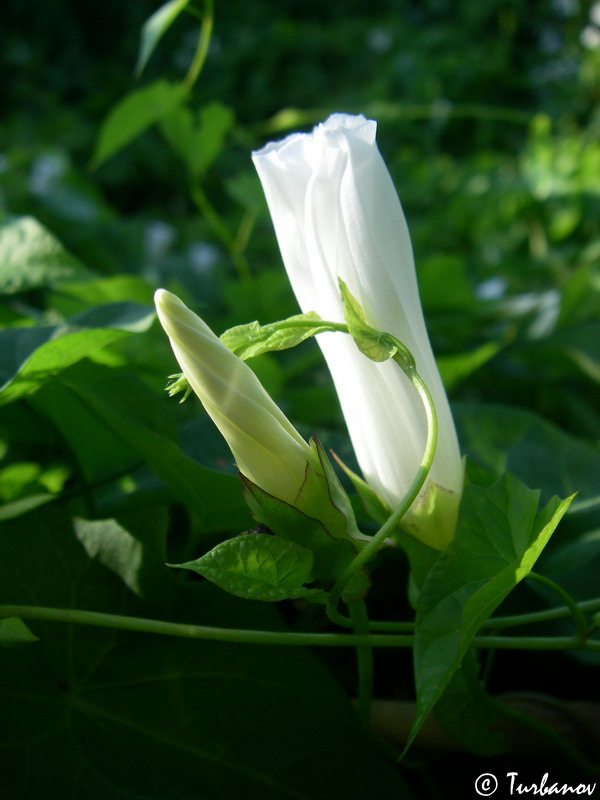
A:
[267,448]
[336,214]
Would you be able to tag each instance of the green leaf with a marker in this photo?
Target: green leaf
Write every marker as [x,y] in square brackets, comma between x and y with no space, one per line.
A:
[498,539]
[123,405]
[257,566]
[456,368]
[504,439]
[30,257]
[133,115]
[199,143]
[154,29]
[29,356]
[13,632]
[254,339]
[126,716]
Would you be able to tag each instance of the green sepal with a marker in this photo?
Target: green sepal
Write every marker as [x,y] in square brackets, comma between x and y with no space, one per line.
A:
[331,555]
[253,339]
[257,566]
[337,514]
[376,345]
[372,502]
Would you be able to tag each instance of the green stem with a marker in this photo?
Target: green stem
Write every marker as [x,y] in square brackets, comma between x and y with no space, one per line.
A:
[203,45]
[382,534]
[581,623]
[493,623]
[513,620]
[243,636]
[364,658]
[220,229]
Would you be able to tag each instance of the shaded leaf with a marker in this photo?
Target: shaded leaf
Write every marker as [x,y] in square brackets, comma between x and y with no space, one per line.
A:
[29,356]
[503,439]
[103,713]
[468,714]
[13,632]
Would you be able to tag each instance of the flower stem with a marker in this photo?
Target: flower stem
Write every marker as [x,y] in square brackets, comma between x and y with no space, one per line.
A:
[378,539]
[581,623]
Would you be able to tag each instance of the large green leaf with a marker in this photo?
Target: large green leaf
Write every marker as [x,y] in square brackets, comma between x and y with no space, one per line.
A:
[30,256]
[121,403]
[503,439]
[498,539]
[98,713]
[29,356]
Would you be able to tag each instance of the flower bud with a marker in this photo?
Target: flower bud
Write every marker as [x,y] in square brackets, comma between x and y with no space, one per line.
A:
[267,449]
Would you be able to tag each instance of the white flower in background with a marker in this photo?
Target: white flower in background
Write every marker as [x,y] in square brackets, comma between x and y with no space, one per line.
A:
[267,448]
[336,214]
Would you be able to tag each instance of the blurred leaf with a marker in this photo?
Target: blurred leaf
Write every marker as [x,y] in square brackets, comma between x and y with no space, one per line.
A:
[498,540]
[257,566]
[13,631]
[30,257]
[73,297]
[509,439]
[118,402]
[133,115]
[580,296]
[29,356]
[198,144]
[457,368]
[443,283]
[154,29]
[104,713]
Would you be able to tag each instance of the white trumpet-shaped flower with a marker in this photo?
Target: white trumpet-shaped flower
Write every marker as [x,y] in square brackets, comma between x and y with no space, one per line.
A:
[337,215]
[266,447]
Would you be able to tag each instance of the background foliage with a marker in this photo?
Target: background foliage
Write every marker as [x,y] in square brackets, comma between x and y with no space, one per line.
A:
[488,120]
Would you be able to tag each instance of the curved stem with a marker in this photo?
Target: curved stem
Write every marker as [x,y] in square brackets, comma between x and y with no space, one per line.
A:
[203,45]
[581,623]
[513,620]
[220,229]
[376,542]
